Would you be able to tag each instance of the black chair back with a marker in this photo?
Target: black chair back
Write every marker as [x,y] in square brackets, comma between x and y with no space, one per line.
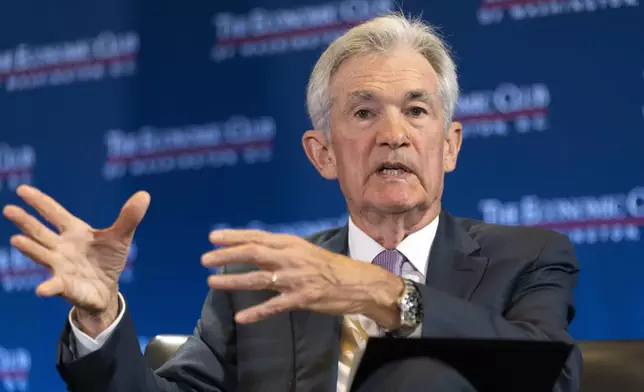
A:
[613,366]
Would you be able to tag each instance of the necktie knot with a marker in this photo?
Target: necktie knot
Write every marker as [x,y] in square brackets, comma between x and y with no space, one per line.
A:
[391,260]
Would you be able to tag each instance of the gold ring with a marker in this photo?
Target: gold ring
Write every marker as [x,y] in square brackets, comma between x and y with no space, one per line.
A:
[273,279]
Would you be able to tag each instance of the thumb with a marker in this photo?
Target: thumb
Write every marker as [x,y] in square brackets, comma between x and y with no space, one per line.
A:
[131,214]
[50,287]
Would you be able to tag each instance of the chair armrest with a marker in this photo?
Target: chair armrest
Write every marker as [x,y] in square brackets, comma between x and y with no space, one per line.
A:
[161,348]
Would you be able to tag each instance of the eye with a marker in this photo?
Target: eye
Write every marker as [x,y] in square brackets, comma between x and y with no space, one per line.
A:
[417,111]
[363,114]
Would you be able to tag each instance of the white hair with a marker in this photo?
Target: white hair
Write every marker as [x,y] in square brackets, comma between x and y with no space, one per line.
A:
[379,36]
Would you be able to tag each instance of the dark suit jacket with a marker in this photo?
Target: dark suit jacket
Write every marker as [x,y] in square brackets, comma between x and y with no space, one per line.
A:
[483,281]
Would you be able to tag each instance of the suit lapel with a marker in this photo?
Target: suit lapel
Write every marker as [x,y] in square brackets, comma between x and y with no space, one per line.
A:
[454,266]
[316,336]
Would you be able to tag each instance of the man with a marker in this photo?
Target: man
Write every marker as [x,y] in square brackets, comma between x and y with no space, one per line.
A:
[287,314]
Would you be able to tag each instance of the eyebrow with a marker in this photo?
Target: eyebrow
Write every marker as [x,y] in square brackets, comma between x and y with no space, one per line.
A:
[357,97]
[425,97]
[366,95]
[420,95]
[360,96]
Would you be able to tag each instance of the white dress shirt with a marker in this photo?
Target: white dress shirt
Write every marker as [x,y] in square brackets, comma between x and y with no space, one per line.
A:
[415,248]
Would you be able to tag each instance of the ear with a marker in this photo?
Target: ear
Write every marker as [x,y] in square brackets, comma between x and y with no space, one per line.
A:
[320,152]
[453,141]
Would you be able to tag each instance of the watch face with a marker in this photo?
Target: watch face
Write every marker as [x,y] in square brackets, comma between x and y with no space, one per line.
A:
[411,312]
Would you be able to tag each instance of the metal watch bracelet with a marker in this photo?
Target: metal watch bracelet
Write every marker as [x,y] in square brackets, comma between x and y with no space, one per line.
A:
[411,310]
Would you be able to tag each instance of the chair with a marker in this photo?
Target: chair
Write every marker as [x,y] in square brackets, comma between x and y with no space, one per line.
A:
[616,365]
[161,348]
[608,365]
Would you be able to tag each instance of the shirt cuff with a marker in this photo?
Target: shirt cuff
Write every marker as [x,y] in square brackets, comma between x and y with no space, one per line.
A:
[86,344]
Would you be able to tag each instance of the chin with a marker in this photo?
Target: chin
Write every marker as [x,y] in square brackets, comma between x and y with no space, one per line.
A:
[394,200]
[394,206]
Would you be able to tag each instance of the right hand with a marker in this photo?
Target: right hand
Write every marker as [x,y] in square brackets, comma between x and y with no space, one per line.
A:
[85,262]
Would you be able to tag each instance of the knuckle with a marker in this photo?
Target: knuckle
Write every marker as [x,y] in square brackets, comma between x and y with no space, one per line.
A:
[285,237]
[255,235]
[288,240]
[271,308]
[311,295]
[253,251]
[264,311]
[41,234]
[307,281]
[264,279]
[37,231]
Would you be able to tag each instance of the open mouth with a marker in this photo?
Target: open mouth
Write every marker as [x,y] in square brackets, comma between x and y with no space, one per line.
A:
[393,169]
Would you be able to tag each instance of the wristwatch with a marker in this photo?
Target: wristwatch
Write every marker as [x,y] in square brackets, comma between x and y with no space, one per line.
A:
[411,310]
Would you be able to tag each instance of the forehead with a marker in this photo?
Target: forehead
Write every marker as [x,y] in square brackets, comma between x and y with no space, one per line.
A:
[390,75]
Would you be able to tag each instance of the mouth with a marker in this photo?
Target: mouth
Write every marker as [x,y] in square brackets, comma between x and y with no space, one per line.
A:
[393,170]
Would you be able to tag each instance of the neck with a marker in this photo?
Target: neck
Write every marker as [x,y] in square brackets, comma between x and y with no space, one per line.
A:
[390,229]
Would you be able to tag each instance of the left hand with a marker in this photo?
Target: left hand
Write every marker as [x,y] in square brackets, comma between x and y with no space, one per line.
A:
[305,275]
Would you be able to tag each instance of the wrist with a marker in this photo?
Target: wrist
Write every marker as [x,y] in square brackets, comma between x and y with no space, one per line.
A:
[93,323]
[383,305]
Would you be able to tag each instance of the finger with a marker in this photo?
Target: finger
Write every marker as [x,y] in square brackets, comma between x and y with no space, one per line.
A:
[49,208]
[35,251]
[50,287]
[258,255]
[30,225]
[281,303]
[255,280]
[132,214]
[238,237]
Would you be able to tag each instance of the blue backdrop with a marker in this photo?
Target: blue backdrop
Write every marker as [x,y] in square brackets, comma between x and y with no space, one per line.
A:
[202,105]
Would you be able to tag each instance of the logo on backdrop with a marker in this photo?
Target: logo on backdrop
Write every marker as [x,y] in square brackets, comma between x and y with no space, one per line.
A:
[15,365]
[108,55]
[18,273]
[495,11]
[585,219]
[262,32]
[189,147]
[507,109]
[16,165]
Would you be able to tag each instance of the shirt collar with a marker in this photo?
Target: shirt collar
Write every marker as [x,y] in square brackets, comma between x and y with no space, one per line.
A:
[415,247]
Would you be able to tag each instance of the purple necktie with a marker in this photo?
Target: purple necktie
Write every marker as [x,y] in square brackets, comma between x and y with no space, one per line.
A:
[391,260]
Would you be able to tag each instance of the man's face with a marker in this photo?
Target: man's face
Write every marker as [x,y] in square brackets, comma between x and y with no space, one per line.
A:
[388,148]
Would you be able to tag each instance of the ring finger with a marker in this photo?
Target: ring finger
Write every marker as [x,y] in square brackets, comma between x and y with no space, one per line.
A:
[255,280]
[31,226]
[35,251]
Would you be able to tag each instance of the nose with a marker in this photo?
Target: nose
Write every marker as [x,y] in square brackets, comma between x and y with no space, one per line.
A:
[392,133]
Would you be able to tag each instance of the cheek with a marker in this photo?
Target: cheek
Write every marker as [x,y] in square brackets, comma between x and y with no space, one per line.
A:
[349,161]
[432,155]
[432,163]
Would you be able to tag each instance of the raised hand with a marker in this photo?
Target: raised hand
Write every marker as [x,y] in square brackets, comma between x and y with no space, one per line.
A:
[305,275]
[85,262]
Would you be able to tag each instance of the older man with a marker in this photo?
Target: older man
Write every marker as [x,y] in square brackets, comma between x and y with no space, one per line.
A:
[289,314]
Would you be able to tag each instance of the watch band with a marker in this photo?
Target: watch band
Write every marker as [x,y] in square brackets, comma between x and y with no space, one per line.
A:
[411,310]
